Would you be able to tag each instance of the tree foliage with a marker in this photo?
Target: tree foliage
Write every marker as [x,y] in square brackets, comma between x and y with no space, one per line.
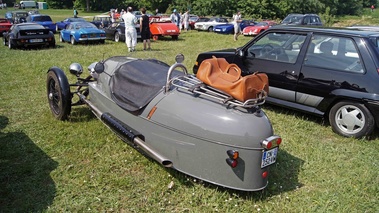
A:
[266,9]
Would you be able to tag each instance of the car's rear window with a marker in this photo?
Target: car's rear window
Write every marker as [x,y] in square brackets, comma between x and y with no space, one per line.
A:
[42,18]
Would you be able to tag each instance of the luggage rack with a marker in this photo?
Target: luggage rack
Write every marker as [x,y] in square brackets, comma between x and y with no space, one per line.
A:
[194,85]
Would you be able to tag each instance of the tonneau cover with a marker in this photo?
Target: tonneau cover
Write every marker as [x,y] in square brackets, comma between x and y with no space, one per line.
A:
[135,83]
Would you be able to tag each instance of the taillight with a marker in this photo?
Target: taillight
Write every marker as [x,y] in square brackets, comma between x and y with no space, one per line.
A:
[233,155]
[271,142]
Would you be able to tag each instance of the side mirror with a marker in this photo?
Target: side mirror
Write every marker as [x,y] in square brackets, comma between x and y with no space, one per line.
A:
[240,52]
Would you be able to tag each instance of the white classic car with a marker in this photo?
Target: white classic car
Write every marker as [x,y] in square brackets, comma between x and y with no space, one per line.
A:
[209,25]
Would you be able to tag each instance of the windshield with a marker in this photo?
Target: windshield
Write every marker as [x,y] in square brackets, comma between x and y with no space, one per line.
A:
[292,19]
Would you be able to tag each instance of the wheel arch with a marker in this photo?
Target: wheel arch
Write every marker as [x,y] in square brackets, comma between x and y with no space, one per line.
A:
[62,78]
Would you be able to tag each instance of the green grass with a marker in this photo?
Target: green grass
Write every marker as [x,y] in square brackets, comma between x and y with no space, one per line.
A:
[80,165]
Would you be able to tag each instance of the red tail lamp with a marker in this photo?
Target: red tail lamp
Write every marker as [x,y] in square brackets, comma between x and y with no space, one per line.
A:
[265,174]
[271,142]
[233,156]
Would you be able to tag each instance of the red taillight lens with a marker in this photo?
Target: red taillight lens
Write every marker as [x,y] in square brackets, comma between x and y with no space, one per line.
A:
[232,163]
[233,156]
[271,142]
[265,174]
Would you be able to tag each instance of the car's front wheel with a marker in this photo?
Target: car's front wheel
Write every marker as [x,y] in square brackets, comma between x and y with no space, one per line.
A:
[56,28]
[60,38]
[10,46]
[351,119]
[117,37]
[210,29]
[58,94]
[73,42]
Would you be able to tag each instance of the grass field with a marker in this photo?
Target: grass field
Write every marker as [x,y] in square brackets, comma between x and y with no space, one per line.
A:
[81,166]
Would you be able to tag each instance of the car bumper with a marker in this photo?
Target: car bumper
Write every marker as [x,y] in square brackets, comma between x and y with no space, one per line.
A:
[92,39]
[250,33]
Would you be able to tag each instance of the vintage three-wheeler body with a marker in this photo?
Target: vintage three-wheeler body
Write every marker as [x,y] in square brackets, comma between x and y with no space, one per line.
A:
[172,117]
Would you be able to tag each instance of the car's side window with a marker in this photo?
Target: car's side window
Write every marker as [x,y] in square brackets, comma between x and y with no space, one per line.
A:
[331,52]
[282,47]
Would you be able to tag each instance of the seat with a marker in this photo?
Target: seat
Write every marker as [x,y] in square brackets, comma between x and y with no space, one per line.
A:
[326,48]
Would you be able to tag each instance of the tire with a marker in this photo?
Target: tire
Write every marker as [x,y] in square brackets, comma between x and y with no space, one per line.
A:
[56,28]
[117,37]
[58,94]
[60,38]
[73,42]
[4,42]
[351,119]
[10,46]
[210,29]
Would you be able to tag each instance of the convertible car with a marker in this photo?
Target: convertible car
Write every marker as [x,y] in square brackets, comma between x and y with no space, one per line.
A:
[5,25]
[60,25]
[210,24]
[82,32]
[162,27]
[257,28]
[229,28]
[28,35]
[174,118]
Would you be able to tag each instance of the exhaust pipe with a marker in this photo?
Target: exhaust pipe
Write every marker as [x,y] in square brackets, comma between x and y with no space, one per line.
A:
[127,133]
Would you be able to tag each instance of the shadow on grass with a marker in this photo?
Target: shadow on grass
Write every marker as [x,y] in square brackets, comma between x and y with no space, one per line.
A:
[81,114]
[283,177]
[25,181]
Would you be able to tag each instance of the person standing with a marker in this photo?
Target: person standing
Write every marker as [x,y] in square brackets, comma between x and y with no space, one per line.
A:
[236,21]
[130,21]
[372,8]
[178,18]
[186,20]
[145,29]
[173,16]
[75,13]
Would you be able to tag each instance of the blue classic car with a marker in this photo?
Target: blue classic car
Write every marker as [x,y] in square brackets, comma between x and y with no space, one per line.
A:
[229,28]
[62,24]
[86,32]
[44,20]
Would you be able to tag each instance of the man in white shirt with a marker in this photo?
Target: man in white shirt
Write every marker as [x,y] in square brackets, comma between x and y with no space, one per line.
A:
[236,21]
[130,21]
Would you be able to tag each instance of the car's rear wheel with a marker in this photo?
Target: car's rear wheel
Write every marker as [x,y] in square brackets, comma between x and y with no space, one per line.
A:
[58,94]
[351,119]
[117,37]
[73,42]
[210,29]
[60,38]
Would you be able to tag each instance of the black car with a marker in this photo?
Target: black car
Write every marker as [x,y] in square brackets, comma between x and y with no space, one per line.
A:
[302,19]
[116,31]
[28,35]
[326,72]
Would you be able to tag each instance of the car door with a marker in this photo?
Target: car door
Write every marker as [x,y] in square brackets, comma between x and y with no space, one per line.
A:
[278,55]
[332,63]
[67,32]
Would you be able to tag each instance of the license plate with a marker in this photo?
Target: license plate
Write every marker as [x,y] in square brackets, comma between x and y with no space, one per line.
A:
[269,157]
[35,40]
[217,30]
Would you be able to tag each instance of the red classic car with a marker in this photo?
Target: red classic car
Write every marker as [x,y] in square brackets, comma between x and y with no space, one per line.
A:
[257,28]
[5,25]
[163,27]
